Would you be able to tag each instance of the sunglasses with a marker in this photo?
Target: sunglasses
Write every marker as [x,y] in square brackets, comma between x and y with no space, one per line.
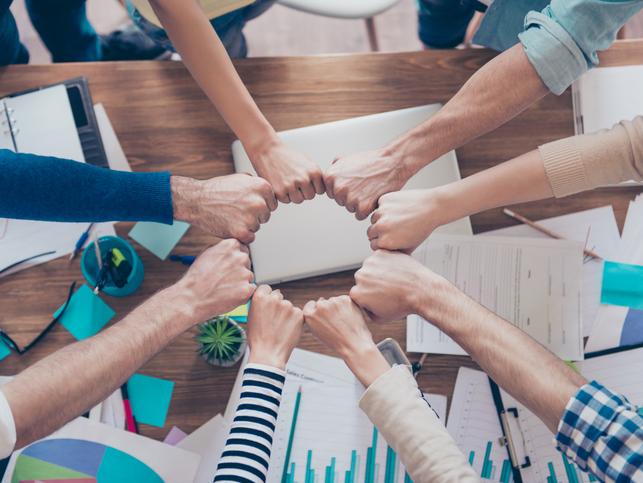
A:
[12,344]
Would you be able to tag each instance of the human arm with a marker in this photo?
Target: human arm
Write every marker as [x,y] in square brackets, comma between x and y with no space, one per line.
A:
[68,382]
[392,400]
[53,189]
[274,328]
[521,366]
[292,175]
[405,219]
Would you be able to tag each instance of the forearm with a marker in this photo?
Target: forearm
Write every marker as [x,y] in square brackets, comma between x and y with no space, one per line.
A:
[519,180]
[53,189]
[67,383]
[520,365]
[208,62]
[249,444]
[496,93]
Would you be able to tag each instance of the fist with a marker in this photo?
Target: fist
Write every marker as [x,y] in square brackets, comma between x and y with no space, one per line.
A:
[391,285]
[340,324]
[293,176]
[357,181]
[219,280]
[232,206]
[274,327]
[403,220]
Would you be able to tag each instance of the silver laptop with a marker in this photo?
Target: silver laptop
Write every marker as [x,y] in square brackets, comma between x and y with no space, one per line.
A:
[318,236]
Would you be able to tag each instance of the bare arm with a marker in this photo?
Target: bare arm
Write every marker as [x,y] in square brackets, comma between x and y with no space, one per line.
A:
[70,381]
[496,93]
[293,176]
[520,365]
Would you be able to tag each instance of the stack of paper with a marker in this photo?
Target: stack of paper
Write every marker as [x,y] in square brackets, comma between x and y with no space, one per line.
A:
[617,325]
[598,228]
[533,283]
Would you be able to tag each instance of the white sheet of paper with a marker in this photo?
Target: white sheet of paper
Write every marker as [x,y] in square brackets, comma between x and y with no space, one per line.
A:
[473,420]
[44,124]
[603,239]
[171,464]
[439,404]
[533,283]
[207,441]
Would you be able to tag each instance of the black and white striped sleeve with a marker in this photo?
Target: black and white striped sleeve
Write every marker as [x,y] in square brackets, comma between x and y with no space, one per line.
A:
[246,455]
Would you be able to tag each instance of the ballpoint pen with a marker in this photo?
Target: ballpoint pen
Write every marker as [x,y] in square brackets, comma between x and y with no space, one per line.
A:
[81,241]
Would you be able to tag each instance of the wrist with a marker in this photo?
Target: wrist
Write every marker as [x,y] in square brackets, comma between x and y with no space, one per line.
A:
[437,300]
[412,152]
[367,363]
[261,143]
[179,306]
[267,357]
[185,193]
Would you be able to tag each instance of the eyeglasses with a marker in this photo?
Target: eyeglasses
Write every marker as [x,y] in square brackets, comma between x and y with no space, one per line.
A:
[12,344]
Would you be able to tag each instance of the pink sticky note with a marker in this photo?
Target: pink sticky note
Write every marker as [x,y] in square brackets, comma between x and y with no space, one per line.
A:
[175,436]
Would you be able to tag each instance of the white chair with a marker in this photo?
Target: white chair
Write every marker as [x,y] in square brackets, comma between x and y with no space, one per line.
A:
[347,9]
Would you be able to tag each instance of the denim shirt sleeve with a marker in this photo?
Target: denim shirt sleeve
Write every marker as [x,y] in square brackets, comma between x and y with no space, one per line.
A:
[562,41]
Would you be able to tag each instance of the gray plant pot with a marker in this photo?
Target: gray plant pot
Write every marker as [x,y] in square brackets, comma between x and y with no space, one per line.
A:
[240,348]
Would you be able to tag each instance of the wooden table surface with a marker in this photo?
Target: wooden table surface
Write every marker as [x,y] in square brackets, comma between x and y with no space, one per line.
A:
[164,122]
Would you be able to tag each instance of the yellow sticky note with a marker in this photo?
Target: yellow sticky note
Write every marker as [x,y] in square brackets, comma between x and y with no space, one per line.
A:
[241,311]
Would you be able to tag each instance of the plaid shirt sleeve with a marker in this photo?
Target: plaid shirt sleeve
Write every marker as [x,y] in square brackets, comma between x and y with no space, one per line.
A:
[603,433]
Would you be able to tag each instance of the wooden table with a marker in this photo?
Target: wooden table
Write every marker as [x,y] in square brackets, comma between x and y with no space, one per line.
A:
[164,122]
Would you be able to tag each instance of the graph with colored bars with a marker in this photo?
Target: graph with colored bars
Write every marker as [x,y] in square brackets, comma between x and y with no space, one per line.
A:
[334,442]
[374,470]
[473,423]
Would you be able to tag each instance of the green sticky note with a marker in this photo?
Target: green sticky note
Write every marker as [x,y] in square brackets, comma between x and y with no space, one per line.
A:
[158,238]
[4,350]
[150,398]
[622,285]
[86,314]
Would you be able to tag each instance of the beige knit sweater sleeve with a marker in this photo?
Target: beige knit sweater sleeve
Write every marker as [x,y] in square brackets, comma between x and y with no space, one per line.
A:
[395,406]
[585,162]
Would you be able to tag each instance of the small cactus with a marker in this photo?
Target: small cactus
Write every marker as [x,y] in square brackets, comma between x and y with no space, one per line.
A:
[222,342]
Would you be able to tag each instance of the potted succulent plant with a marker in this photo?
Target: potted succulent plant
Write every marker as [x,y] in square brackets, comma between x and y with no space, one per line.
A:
[222,341]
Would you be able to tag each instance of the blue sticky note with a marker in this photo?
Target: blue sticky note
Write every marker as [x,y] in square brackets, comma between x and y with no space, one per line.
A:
[150,398]
[622,285]
[4,350]
[158,238]
[86,314]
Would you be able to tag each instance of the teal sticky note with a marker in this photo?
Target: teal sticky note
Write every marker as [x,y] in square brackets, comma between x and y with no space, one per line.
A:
[158,238]
[4,350]
[622,285]
[150,398]
[86,314]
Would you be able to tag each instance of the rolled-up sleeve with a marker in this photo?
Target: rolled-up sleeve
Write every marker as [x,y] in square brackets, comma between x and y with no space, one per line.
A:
[602,432]
[562,41]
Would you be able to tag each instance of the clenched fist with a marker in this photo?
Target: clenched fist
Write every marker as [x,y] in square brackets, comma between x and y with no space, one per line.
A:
[230,206]
[274,327]
[219,280]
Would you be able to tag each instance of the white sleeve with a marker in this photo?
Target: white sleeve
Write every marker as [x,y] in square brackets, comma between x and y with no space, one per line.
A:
[7,428]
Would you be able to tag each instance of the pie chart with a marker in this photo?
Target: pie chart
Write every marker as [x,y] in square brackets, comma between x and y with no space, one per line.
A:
[79,461]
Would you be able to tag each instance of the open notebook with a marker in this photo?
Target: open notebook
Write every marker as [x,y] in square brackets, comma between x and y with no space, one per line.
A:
[40,122]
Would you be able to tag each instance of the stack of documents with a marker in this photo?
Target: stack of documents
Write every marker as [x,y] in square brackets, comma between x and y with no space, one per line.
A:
[533,283]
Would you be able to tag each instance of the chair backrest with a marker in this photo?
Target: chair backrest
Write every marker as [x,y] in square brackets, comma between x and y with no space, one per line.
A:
[341,8]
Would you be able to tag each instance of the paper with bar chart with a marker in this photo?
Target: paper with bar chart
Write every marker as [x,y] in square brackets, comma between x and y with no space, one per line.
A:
[334,441]
[620,372]
[533,283]
[473,422]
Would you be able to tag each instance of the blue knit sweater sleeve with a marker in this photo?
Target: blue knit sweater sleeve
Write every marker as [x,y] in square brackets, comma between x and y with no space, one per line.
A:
[53,189]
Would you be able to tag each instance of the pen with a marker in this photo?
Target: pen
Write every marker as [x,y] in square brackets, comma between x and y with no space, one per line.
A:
[184,259]
[546,231]
[81,241]
[130,422]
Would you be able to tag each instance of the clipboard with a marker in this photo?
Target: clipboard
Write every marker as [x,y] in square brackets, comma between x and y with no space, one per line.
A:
[513,436]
